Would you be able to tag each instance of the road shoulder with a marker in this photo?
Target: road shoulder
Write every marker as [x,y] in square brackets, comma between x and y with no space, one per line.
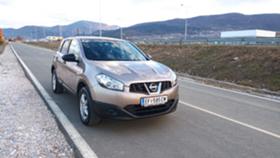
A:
[81,148]
[27,127]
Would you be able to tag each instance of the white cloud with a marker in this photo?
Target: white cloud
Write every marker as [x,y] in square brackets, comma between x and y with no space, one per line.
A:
[17,13]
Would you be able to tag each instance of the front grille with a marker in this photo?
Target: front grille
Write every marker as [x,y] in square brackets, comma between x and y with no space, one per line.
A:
[165,85]
[139,110]
[140,87]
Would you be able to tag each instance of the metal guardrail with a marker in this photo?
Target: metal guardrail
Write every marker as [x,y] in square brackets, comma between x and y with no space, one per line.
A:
[214,41]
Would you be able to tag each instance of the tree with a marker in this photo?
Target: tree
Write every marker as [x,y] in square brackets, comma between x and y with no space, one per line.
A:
[1,36]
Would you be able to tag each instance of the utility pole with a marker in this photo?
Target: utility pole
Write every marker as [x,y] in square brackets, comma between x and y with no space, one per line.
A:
[186,23]
[78,32]
[37,33]
[186,29]
[121,29]
[100,25]
[60,30]
[44,32]
[121,32]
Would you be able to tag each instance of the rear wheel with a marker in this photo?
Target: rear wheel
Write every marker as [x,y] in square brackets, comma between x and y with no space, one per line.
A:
[56,86]
[87,114]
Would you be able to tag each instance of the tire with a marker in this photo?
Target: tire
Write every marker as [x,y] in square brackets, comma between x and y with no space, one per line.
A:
[86,104]
[56,86]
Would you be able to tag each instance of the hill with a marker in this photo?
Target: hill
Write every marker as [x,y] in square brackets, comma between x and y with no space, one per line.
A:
[204,25]
[201,26]
[31,32]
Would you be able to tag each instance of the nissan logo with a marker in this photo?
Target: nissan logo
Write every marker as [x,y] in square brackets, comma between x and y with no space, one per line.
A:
[153,87]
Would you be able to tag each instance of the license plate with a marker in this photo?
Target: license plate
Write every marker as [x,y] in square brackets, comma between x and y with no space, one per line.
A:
[153,101]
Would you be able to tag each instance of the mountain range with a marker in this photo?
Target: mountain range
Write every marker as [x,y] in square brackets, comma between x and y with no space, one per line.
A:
[37,32]
[201,26]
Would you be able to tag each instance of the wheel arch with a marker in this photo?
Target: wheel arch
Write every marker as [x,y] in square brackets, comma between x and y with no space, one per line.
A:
[53,68]
[80,85]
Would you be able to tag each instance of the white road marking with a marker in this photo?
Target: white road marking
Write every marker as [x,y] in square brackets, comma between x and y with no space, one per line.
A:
[231,120]
[228,90]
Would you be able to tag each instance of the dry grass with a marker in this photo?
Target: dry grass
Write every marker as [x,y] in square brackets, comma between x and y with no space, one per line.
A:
[255,66]
[50,45]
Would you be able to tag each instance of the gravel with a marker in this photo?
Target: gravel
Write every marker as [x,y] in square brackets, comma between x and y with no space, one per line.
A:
[27,127]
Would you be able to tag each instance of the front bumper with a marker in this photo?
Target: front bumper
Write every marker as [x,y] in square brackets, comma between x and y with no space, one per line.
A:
[135,111]
[122,99]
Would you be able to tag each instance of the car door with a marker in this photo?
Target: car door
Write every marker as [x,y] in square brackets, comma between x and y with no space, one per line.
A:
[73,69]
[60,68]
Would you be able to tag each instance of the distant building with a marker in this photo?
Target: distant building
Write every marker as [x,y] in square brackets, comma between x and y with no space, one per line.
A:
[246,37]
[54,38]
[248,34]
[277,34]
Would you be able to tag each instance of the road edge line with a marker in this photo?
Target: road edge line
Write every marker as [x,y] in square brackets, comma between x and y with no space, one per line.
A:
[81,148]
[231,120]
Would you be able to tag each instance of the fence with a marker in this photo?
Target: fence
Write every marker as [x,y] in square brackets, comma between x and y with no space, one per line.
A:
[215,41]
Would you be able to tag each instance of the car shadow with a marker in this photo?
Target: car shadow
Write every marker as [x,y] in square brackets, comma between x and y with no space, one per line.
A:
[132,126]
[69,106]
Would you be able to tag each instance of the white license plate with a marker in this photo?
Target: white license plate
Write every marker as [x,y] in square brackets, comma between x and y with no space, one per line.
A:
[153,101]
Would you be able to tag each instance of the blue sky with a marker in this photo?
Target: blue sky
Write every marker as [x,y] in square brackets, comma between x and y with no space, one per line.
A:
[18,13]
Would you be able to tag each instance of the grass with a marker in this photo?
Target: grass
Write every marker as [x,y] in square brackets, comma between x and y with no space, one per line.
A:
[50,45]
[254,66]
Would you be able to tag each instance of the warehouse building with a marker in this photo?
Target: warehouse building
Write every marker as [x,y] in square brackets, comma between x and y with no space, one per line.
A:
[54,38]
[240,37]
[247,37]
[248,34]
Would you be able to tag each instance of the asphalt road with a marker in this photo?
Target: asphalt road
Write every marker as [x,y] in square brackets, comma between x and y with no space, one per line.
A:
[209,122]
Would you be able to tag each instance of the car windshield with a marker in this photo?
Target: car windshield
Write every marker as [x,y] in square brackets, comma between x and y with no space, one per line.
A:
[109,50]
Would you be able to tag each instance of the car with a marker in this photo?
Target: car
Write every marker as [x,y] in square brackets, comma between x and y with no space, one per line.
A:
[113,79]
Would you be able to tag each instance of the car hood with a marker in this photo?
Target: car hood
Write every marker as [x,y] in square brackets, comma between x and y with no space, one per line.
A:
[134,71]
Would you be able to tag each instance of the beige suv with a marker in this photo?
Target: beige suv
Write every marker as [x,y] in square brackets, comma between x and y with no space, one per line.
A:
[113,79]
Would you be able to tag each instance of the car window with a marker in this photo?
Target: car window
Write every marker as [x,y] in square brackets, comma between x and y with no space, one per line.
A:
[108,50]
[74,48]
[65,46]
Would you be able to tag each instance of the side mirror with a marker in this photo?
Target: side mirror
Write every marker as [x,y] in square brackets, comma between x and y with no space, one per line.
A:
[149,56]
[69,58]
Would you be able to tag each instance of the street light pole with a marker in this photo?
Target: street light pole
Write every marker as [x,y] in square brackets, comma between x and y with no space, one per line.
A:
[186,29]
[121,32]
[186,24]
[60,30]
[121,28]
[100,25]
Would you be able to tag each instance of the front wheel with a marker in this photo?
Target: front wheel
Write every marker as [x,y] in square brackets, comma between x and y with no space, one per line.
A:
[87,114]
[56,86]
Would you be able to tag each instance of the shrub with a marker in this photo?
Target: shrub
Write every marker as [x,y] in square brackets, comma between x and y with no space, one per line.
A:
[1,41]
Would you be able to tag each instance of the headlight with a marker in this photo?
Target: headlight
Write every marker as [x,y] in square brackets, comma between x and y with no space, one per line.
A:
[174,79]
[110,83]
